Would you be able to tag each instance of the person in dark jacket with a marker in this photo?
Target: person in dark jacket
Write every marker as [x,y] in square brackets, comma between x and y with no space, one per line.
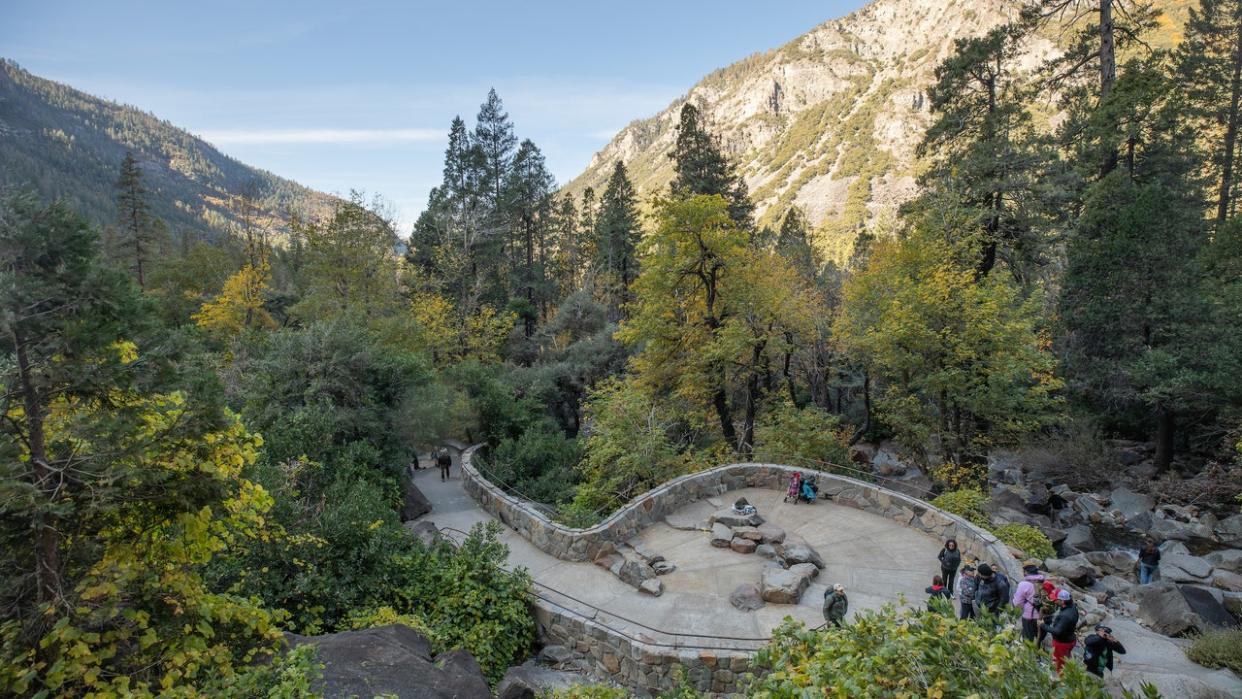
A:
[446,462]
[1098,649]
[836,604]
[1148,562]
[1064,629]
[950,559]
[937,591]
[993,592]
[966,588]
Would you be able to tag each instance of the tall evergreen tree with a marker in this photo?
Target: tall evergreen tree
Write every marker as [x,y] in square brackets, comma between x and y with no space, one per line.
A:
[495,143]
[700,167]
[1210,74]
[618,231]
[793,242]
[527,197]
[134,217]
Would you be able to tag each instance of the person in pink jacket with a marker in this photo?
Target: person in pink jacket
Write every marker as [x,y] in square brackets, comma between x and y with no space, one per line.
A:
[1027,597]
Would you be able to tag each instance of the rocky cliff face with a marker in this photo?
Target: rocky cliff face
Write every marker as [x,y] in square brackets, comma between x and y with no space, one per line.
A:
[830,121]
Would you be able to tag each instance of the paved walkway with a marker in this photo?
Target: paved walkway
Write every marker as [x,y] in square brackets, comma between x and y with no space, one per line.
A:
[876,559]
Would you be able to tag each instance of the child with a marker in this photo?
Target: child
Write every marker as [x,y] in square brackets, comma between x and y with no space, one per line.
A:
[935,593]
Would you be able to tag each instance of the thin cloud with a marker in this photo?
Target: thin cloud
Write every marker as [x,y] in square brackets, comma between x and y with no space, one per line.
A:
[275,136]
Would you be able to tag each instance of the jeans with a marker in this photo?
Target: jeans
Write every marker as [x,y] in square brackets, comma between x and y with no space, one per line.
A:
[968,610]
[1030,629]
[1146,573]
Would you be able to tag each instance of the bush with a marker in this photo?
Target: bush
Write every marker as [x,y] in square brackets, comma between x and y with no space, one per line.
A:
[539,465]
[1030,540]
[968,504]
[1217,649]
[910,653]
[796,436]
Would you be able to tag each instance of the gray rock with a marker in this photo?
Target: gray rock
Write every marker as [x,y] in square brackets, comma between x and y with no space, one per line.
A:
[1079,537]
[1163,608]
[1162,527]
[1232,602]
[1226,580]
[635,573]
[802,553]
[1130,503]
[1113,586]
[729,518]
[1209,606]
[768,551]
[721,535]
[1140,523]
[1171,547]
[782,586]
[1037,498]
[743,545]
[652,587]
[393,660]
[751,533]
[772,534]
[1228,559]
[663,567]
[1076,569]
[530,680]
[555,654]
[645,551]
[414,504]
[1113,562]
[1180,567]
[425,532]
[806,569]
[746,597]
[1229,530]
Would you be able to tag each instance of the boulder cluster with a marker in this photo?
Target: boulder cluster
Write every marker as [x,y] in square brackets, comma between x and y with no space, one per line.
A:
[791,566]
[636,565]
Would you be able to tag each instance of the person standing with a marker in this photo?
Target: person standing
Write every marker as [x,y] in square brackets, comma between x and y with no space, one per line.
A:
[993,592]
[414,465]
[1149,562]
[950,559]
[836,604]
[1098,649]
[936,593]
[1063,629]
[1048,606]
[967,585]
[446,462]
[1027,597]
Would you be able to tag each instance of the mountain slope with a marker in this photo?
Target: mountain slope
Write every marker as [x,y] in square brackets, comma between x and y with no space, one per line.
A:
[70,144]
[830,121]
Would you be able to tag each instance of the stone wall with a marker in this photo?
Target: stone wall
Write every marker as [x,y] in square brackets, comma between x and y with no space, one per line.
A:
[572,544]
[643,660]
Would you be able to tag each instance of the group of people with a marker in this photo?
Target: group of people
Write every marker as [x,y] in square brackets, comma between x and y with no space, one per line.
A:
[1047,612]
[441,457]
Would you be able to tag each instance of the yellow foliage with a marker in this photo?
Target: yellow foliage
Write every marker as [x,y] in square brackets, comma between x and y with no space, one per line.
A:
[240,304]
[450,334]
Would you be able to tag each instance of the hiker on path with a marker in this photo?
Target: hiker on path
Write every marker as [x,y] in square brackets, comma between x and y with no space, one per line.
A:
[993,592]
[950,558]
[1148,562]
[414,465]
[937,592]
[836,604]
[1063,629]
[1027,597]
[1098,650]
[445,461]
[966,589]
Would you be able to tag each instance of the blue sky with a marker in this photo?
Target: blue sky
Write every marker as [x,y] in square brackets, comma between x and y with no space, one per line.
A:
[360,94]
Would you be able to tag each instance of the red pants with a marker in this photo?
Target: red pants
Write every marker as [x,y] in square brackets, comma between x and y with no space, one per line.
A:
[1061,651]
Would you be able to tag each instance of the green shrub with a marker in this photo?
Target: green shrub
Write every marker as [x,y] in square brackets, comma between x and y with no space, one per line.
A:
[1029,539]
[1217,649]
[910,653]
[968,504]
[789,435]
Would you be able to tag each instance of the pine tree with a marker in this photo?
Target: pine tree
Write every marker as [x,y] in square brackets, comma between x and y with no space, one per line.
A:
[793,242]
[134,217]
[495,143]
[527,197]
[700,167]
[618,231]
[1210,72]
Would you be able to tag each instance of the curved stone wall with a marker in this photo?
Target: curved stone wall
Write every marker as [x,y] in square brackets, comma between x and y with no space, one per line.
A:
[574,544]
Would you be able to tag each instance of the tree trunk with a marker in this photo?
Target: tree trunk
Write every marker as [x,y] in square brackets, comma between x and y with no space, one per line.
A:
[1231,129]
[721,403]
[47,538]
[529,326]
[1108,72]
[747,446]
[866,426]
[1166,429]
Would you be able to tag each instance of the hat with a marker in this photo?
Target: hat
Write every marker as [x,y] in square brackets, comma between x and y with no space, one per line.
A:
[838,587]
[1064,595]
[1101,627]
[985,570]
[1030,563]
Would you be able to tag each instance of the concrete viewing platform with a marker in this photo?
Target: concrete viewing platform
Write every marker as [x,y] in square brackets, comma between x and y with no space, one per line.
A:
[877,559]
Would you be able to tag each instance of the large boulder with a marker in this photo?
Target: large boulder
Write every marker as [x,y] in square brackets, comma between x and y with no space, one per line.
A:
[1227,559]
[1209,605]
[1112,586]
[802,553]
[530,680]
[1113,562]
[414,504]
[1166,527]
[1178,610]
[1076,569]
[1130,503]
[1078,538]
[1226,580]
[772,534]
[743,545]
[1229,531]
[782,586]
[746,597]
[635,573]
[751,533]
[1180,567]
[731,518]
[393,660]
[807,570]
[721,535]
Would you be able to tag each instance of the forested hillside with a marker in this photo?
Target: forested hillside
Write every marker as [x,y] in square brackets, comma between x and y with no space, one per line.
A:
[69,144]
[831,121]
